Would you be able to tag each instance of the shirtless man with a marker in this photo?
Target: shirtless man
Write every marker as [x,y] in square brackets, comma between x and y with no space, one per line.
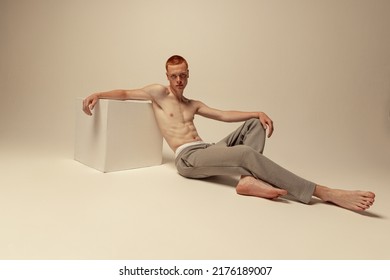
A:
[195,159]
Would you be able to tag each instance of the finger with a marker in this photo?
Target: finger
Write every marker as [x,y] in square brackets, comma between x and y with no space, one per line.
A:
[93,103]
[267,124]
[270,129]
[264,124]
[86,108]
[270,132]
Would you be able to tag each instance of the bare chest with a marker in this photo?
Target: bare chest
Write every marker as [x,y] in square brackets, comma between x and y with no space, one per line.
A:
[183,111]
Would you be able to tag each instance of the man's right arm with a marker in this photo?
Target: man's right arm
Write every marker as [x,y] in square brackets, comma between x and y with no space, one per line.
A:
[147,93]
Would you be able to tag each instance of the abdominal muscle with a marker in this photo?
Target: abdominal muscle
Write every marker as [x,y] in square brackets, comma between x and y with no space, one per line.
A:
[179,135]
[175,120]
[175,130]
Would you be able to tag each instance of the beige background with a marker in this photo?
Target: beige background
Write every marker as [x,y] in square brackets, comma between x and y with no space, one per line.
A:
[320,69]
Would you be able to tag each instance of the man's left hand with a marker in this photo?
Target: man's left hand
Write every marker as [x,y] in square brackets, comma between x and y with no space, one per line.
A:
[267,123]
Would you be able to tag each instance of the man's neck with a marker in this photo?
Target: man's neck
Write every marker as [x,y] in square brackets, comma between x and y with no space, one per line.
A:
[179,95]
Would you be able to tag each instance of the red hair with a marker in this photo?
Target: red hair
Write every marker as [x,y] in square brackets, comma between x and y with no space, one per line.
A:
[175,60]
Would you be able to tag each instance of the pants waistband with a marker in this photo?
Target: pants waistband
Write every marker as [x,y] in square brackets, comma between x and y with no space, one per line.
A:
[186,145]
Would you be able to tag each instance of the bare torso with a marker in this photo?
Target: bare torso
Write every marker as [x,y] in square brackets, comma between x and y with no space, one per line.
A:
[175,118]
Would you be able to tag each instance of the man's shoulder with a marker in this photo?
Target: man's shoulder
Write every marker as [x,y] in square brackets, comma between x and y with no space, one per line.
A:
[156,90]
[196,102]
[156,87]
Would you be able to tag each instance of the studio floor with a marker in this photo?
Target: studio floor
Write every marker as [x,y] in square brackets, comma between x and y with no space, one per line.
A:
[52,207]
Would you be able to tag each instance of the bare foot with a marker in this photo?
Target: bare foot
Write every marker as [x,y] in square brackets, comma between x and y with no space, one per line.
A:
[250,186]
[352,200]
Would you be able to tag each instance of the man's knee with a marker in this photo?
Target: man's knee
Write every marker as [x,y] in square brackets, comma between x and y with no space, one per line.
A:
[253,121]
[256,123]
[256,126]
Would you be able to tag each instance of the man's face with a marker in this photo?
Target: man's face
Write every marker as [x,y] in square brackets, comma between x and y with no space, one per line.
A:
[178,77]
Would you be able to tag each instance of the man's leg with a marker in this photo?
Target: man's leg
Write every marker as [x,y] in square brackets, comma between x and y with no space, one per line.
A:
[241,160]
[252,134]
[210,160]
[234,155]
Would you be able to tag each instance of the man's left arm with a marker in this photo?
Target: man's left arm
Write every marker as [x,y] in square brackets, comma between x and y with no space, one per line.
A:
[235,116]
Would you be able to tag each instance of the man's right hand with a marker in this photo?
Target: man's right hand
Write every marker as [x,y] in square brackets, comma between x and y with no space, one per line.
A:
[89,103]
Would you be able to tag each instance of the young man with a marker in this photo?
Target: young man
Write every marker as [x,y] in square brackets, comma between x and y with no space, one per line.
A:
[240,153]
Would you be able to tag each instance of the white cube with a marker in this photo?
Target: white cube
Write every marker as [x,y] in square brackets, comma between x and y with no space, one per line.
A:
[119,135]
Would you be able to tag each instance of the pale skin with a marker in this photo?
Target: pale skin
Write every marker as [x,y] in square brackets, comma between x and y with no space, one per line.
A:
[175,115]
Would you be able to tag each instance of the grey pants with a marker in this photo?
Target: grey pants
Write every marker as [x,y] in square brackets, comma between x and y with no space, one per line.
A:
[240,153]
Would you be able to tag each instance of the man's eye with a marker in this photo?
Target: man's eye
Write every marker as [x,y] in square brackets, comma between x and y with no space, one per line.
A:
[182,76]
